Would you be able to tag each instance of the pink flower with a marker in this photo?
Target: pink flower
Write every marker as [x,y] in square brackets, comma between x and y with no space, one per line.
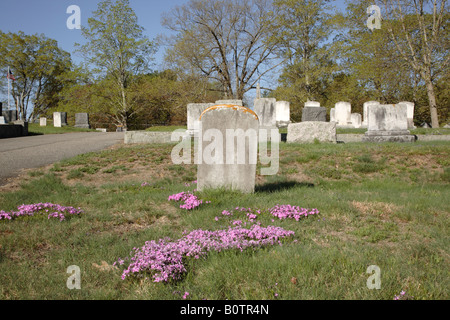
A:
[185,295]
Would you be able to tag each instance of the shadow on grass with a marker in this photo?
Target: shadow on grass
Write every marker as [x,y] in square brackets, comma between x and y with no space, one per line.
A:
[282,185]
[35,133]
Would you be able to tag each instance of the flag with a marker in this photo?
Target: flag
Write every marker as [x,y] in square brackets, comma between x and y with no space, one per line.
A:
[10,75]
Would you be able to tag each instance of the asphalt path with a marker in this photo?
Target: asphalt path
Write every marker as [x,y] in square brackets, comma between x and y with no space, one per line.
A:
[41,150]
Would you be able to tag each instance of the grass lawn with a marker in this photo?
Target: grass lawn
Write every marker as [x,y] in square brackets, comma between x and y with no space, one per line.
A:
[380,204]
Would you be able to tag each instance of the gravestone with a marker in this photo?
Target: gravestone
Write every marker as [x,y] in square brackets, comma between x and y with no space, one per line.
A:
[2,120]
[228,148]
[194,110]
[57,120]
[343,112]
[332,115]
[10,115]
[365,109]
[282,114]
[356,120]
[63,118]
[266,112]
[312,111]
[311,131]
[410,113]
[43,122]
[82,120]
[388,123]
[447,126]
[233,102]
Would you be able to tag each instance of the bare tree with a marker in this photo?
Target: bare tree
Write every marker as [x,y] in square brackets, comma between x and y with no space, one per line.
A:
[419,29]
[224,40]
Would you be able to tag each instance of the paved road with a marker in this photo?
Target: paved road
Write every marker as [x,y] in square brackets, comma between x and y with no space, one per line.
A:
[36,151]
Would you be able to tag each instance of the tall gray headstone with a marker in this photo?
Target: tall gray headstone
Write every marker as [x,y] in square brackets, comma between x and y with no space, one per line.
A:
[388,123]
[228,148]
[194,110]
[63,119]
[265,109]
[82,120]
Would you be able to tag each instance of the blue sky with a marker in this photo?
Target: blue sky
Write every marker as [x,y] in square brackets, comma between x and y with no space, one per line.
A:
[49,17]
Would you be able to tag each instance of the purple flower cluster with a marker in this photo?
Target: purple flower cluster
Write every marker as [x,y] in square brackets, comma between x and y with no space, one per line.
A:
[291,212]
[280,211]
[52,211]
[190,201]
[165,259]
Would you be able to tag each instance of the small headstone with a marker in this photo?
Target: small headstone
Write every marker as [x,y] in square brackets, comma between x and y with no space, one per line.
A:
[43,122]
[82,120]
[57,119]
[265,109]
[388,123]
[343,113]
[410,113]
[312,104]
[447,126]
[365,109]
[312,111]
[233,102]
[63,119]
[356,120]
[228,139]
[194,110]
[311,131]
[425,125]
[101,129]
[332,115]
[2,120]
[282,114]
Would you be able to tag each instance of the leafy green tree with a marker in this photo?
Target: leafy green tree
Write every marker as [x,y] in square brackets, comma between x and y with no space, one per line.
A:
[117,50]
[38,65]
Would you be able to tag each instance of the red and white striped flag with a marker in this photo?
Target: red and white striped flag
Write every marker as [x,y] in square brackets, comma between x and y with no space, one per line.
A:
[10,75]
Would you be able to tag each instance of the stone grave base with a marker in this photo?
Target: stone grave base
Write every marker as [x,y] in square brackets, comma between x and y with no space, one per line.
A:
[388,136]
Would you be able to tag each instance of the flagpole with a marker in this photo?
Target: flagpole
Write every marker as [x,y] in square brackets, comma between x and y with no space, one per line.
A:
[9,107]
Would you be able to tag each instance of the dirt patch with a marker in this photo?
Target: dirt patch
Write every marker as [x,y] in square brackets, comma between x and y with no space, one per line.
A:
[381,209]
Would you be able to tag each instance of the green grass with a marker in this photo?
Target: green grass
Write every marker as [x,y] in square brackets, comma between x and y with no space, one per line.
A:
[165,128]
[380,204]
[36,129]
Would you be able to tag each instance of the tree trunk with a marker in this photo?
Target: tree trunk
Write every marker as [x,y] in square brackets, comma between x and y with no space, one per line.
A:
[432,102]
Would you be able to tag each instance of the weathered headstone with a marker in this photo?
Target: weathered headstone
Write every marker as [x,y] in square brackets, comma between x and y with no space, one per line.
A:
[355,120]
[332,115]
[233,102]
[311,131]
[410,113]
[312,111]
[63,119]
[266,112]
[388,123]
[343,112]
[2,120]
[43,122]
[228,149]
[82,120]
[447,126]
[365,113]
[194,110]
[57,121]
[10,115]
[282,114]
